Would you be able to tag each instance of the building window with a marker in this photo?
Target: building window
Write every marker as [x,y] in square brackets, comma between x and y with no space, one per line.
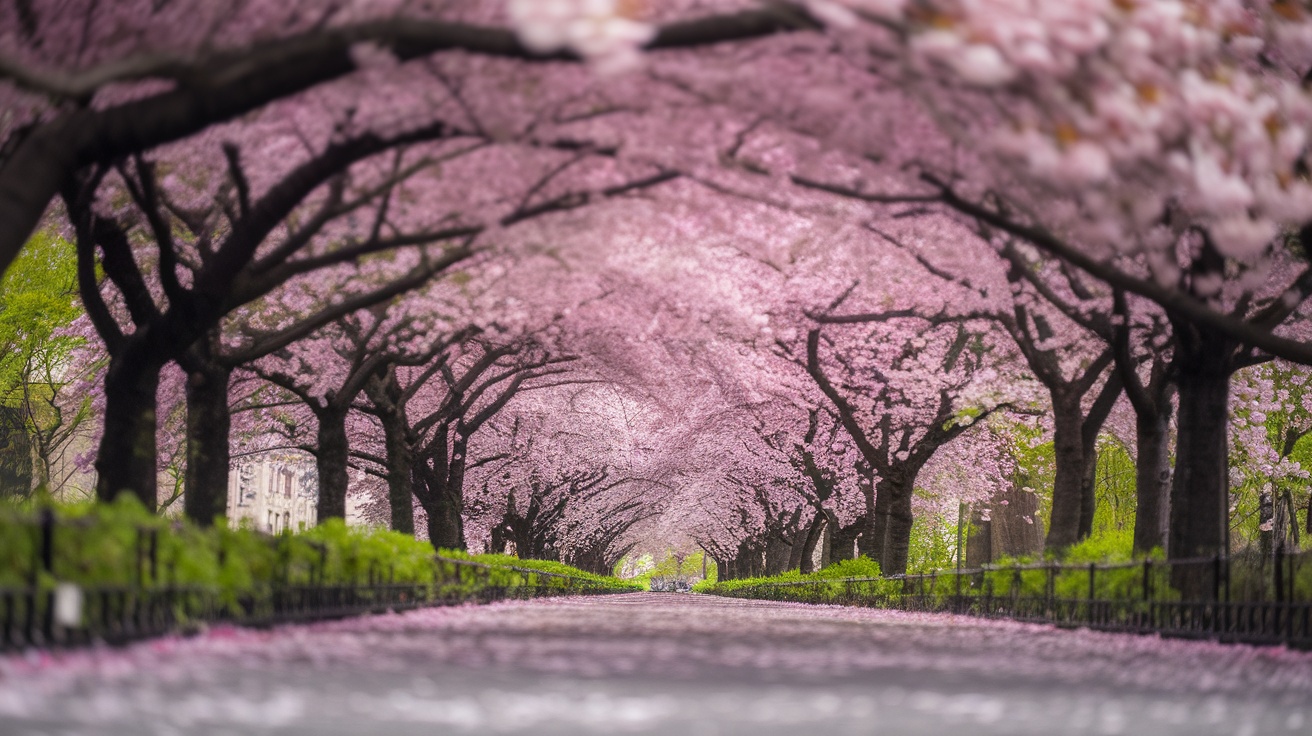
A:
[287,478]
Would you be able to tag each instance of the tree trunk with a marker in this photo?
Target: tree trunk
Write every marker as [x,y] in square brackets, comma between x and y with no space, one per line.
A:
[1307,519]
[1088,490]
[446,526]
[1152,471]
[798,546]
[867,544]
[897,541]
[1266,517]
[331,459]
[16,479]
[845,539]
[1200,490]
[1014,528]
[755,561]
[385,394]
[209,425]
[813,531]
[126,460]
[1068,484]
[876,546]
[777,552]
[893,518]
[1290,517]
[979,539]
[827,539]
[1199,493]
[400,464]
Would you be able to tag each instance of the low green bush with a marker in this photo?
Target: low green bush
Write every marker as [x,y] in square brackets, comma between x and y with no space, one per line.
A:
[499,571]
[1023,577]
[831,585]
[112,545]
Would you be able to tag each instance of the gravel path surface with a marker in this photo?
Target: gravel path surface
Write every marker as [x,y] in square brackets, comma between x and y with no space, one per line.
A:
[660,663]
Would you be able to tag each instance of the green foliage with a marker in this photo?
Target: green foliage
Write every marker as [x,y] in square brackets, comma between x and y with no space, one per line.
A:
[505,572]
[38,300]
[1028,576]
[1114,487]
[549,566]
[1036,463]
[1013,580]
[1104,546]
[833,584]
[38,296]
[860,567]
[1118,577]
[109,545]
[674,565]
[933,542]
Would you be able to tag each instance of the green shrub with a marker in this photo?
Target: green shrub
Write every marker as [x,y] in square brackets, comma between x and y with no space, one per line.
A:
[823,586]
[109,545]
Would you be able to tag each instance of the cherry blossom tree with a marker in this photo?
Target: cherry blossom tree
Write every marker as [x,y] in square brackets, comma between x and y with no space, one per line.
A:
[164,314]
[88,85]
[901,417]
[1268,463]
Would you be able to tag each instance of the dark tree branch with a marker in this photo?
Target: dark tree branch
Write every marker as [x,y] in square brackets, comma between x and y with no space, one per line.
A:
[1172,300]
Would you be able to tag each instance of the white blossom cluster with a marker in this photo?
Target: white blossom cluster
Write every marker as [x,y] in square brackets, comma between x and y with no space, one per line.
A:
[598,30]
[1130,105]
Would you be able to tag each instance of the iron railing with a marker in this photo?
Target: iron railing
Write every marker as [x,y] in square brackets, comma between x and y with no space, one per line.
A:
[1252,598]
[45,612]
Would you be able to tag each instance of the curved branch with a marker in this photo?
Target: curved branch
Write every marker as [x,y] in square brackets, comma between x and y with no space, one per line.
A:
[219,86]
[1172,300]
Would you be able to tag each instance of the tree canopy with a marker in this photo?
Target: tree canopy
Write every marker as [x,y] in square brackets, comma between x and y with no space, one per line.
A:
[785,281]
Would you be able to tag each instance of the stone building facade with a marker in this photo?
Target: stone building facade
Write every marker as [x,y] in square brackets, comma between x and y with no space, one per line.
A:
[273,493]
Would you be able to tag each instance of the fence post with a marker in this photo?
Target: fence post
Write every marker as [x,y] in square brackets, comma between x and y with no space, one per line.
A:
[1279,572]
[1093,572]
[957,605]
[153,555]
[1226,560]
[139,572]
[48,540]
[46,551]
[1052,586]
[1216,577]
[1015,588]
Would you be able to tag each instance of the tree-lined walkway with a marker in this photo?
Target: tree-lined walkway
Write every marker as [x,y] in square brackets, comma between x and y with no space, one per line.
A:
[661,663]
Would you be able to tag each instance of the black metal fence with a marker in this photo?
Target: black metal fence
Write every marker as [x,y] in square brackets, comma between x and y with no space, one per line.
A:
[1252,598]
[45,612]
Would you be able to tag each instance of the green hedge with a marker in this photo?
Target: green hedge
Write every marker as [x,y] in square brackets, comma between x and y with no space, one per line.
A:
[831,584]
[108,545]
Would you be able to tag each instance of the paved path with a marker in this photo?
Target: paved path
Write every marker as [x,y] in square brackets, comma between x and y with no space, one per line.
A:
[660,663]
